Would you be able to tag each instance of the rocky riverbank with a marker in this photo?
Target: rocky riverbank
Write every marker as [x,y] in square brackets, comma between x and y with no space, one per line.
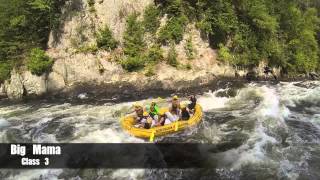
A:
[100,73]
[74,80]
[93,75]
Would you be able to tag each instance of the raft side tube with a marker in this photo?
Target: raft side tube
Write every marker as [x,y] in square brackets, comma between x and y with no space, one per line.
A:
[127,123]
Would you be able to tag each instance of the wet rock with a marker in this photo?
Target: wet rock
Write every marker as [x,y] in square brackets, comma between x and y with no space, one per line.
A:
[16,136]
[314,76]
[251,76]
[51,127]
[259,171]
[14,88]
[307,84]
[2,91]
[227,93]
[241,123]
[219,117]
[65,132]
[231,141]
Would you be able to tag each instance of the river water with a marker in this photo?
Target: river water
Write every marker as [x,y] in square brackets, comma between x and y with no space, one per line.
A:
[261,131]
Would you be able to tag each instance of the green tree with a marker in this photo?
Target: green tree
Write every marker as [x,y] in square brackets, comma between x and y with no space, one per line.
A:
[133,63]
[154,54]
[105,39]
[172,56]
[151,19]
[133,44]
[26,24]
[5,70]
[173,30]
[189,48]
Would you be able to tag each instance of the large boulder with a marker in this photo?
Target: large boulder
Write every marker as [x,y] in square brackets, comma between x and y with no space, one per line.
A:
[55,82]
[34,85]
[2,90]
[14,87]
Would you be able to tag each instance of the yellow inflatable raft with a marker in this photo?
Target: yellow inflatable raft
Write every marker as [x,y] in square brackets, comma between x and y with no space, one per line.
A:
[127,123]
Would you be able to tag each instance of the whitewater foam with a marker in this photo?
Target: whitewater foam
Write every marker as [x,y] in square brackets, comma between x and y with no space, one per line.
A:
[37,174]
[210,100]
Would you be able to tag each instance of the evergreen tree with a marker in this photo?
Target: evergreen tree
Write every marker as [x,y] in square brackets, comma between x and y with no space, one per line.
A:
[133,37]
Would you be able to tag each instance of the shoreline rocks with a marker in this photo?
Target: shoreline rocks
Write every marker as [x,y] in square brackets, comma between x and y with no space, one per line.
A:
[25,86]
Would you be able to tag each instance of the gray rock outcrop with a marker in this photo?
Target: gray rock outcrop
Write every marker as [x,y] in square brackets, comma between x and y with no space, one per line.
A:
[34,85]
[14,87]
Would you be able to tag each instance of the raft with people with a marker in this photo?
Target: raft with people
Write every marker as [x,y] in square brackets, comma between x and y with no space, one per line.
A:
[152,121]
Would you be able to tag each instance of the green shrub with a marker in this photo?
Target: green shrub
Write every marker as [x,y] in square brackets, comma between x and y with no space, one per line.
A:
[133,63]
[150,71]
[38,62]
[133,43]
[172,56]
[174,8]
[190,52]
[5,70]
[87,49]
[151,19]
[91,3]
[154,54]
[173,30]
[105,39]
[224,54]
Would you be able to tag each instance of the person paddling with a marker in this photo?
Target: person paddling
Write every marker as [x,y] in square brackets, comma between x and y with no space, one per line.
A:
[143,121]
[185,113]
[192,105]
[137,112]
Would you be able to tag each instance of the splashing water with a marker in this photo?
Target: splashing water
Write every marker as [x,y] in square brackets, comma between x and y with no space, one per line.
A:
[264,131]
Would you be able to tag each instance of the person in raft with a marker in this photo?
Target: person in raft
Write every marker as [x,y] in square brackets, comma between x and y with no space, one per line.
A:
[162,117]
[137,112]
[174,111]
[143,121]
[154,111]
[192,105]
[185,113]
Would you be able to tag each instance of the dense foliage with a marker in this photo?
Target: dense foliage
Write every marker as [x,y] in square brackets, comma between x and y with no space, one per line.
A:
[4,71]
[38,62]
[154,54]
[282,32]
[285,33]
[176,23]
[137,54]
[25,24]
[151,19]
[105,39]
[133,45]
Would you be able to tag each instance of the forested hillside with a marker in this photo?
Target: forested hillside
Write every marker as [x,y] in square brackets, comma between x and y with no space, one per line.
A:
[25,24]
[283,32]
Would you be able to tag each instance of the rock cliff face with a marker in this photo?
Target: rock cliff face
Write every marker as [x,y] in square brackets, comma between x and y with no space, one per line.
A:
[14,89]
[71,70]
